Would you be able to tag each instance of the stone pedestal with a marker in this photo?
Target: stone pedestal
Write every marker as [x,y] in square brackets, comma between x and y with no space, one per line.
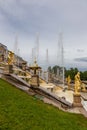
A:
[77,100]
[34,81]
[8,69]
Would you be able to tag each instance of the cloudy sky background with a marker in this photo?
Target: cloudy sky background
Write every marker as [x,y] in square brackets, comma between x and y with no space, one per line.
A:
[25,18]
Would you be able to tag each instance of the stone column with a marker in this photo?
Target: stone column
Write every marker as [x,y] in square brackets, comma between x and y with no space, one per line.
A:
[34,81]
[77,95]
[8,69]
[77,100]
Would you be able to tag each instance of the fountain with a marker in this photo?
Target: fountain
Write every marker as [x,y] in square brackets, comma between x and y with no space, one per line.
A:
[35,77]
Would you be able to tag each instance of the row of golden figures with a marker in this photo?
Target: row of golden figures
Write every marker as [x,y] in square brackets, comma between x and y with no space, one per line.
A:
[78,83]
[79,86]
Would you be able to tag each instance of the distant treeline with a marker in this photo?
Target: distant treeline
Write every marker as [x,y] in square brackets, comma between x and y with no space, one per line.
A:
[72,72]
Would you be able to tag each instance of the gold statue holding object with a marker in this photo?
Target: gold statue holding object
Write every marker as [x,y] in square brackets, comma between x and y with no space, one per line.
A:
[68,81]
[10,57]
[83,87]
[77,83]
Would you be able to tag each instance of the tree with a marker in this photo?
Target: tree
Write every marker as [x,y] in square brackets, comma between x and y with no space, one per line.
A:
[49,69]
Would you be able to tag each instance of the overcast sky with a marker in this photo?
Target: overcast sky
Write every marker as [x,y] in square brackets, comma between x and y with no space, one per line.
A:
[25,18]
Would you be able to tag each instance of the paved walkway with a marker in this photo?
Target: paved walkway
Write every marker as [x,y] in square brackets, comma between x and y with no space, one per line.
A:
[77,110]
[58,91]
[67,94]
[49,85]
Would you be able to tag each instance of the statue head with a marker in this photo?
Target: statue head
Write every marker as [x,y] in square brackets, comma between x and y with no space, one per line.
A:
[78,73]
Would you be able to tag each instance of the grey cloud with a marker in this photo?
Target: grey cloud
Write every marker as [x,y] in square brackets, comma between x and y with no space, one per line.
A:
[47,17]
[83,59]
[80,50]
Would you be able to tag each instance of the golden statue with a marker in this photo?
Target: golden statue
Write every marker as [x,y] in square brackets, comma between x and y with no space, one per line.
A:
[68,81]
[10,57]
[83,87]
[77,83]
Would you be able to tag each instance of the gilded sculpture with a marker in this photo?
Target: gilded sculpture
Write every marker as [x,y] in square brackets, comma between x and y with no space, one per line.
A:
[83,87]
[77,83]
[68,81]
[10,57]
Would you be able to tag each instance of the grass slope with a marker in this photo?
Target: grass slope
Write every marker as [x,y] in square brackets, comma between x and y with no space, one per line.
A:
[19,111]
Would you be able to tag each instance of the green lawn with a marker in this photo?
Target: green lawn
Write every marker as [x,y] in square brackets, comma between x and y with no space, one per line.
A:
[19,111]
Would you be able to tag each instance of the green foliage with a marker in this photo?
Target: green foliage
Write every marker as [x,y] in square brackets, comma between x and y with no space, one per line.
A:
[49,69]
[54,69]
[72,72]
[19,111]
[84,75]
